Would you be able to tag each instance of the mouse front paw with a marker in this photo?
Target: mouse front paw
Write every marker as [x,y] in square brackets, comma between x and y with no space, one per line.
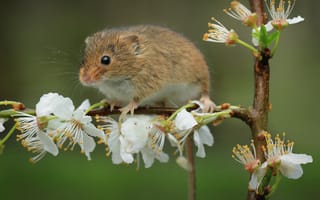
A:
[114,104]
[111,103]
[128,108]
[208,105]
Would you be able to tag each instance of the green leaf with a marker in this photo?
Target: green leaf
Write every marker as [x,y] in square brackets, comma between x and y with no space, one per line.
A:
[265,181]
[263,37]
[272,37]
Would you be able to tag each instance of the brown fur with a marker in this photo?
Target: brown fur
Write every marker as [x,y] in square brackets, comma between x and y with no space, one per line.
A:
[151,57]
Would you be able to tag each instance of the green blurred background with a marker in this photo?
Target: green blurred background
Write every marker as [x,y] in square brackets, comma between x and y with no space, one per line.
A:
[40,52]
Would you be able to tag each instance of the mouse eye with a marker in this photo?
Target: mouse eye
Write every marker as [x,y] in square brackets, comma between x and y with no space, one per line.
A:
[105,60]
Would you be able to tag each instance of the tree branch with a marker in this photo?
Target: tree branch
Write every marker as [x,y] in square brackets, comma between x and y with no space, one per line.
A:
[261,105]
[140,110]
[192,171]
[258,8]
[237,112]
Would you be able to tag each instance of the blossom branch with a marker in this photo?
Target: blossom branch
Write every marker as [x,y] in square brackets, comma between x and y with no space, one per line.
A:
[241,113]
[237,112]
[192,170]
[140,110]
[258,8]
[261,105]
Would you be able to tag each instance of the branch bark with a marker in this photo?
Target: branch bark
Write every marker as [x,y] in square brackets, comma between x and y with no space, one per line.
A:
[192,171]
[261,105]
[139,110]
[237,112]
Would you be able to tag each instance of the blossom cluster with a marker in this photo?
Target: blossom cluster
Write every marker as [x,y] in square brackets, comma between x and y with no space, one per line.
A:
[279,13]
[279,159]
[57,124]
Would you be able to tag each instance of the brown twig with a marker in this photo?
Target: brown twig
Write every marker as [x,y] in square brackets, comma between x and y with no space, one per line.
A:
[261,105]
[140,110]
[241,113]
[192,170]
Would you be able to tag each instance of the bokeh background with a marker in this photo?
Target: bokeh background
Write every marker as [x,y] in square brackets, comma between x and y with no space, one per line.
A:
[40,51]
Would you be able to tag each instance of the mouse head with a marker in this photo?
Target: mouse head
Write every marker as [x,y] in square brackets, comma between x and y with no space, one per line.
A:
[110,55]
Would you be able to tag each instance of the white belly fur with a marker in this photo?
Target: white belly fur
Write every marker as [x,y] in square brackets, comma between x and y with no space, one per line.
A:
[121,91]
[174,95]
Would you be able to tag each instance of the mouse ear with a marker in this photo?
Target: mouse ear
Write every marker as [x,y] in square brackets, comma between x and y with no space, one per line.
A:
[88,40]
[133,41]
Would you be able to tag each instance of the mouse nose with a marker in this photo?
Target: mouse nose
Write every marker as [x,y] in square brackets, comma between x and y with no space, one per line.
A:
[84,77]
[91,75]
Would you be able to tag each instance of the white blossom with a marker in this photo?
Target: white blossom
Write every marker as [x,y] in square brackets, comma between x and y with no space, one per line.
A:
[40,144]
[241,13]
[279,157]
[278,151]
[53,103]
[137,134]
[77,127]
[220,34]
[154,148]
[34,134]
[56,117]
[256,177]
[202,136]
[281,13]
[184,124]
[34,137]
[112,130]
[246,156]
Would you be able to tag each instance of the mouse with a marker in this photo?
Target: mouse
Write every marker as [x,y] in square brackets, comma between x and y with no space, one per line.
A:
[145,65]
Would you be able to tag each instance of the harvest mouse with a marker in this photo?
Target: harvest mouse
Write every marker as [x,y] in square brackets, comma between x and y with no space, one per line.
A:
[145,65]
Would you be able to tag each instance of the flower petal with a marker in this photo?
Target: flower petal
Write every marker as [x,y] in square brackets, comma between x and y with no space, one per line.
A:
[45,106]
[202,136]
[116,156]
[114,146]
[2,121]
[290,164]
[295,20]
[255,37]
[48,144]
[201,152]
[257,177]
[162,157]
[126,156]
[173,141]
[91,130]
[148,157]
[84,105]
[88,145]
[185,120]
[205,135]
[297,158]
[290,170]
[269,26]
[53,103]
[80,115]
[135,131]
